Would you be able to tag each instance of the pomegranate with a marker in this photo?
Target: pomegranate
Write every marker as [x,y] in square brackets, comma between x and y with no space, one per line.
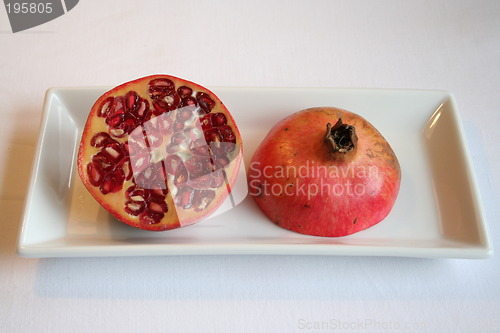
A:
[159,152]
[324,172]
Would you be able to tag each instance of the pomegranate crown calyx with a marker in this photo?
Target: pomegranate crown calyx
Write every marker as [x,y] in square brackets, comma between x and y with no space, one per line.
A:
[340,138]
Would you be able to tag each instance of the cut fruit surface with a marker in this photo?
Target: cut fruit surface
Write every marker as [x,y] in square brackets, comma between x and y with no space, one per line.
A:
[159,152]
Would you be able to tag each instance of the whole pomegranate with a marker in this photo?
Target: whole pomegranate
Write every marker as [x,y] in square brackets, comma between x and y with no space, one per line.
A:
[324,172]
[159,152]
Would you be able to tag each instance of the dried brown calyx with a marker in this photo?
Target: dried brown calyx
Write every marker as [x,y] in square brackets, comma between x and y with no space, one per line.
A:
[340,138]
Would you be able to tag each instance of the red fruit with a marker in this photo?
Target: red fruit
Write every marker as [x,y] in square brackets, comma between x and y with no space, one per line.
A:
[324,184]
[144,153]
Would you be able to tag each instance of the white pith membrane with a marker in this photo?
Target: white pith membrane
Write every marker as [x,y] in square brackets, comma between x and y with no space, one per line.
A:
[171,163]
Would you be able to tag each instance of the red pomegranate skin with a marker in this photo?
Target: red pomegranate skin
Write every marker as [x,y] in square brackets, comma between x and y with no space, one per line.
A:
[302,186]
[165,214]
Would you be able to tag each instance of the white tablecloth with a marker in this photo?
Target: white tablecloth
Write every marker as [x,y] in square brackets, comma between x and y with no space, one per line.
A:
[452,45]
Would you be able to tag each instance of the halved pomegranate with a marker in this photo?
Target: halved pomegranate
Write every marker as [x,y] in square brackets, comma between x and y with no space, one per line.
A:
[159,152]
[325,172]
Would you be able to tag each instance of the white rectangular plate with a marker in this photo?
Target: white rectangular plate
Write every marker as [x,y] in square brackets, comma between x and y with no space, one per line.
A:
[437,214]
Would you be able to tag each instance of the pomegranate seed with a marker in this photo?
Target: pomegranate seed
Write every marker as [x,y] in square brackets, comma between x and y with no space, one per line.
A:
[129,125]
[150,218]
[116,107]
[226,131]
[158,206]
[110,184]
[184,198]
[156,180]
[178,138]
[105,107]
[142,110]
[137,140]
[201,150]
[174,101]
[164,124]
[218,119]
[160,107]
[137,198]
[221,162]
[125,166]
[205,102]
[113,151]
[229,147]
[118,175]
[202,198]
[222,148]
[102,161]
[152,136]
[152,177]
[212,135]
[185,113]
[198,165]
[134,208]
[135,193]
[217,179]
[184,91]
[206,121]
[173,163]
[189,101]
[199,147]
[148,173]
[95,174]
[155,140]
[100,139]
[181,176]
[157,93]
[227,134]
[131,99]
[140,162]
[114,121]
[162,83]
[178,125]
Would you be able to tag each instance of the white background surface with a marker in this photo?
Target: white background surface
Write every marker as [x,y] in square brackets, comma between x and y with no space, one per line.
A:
[451,45]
